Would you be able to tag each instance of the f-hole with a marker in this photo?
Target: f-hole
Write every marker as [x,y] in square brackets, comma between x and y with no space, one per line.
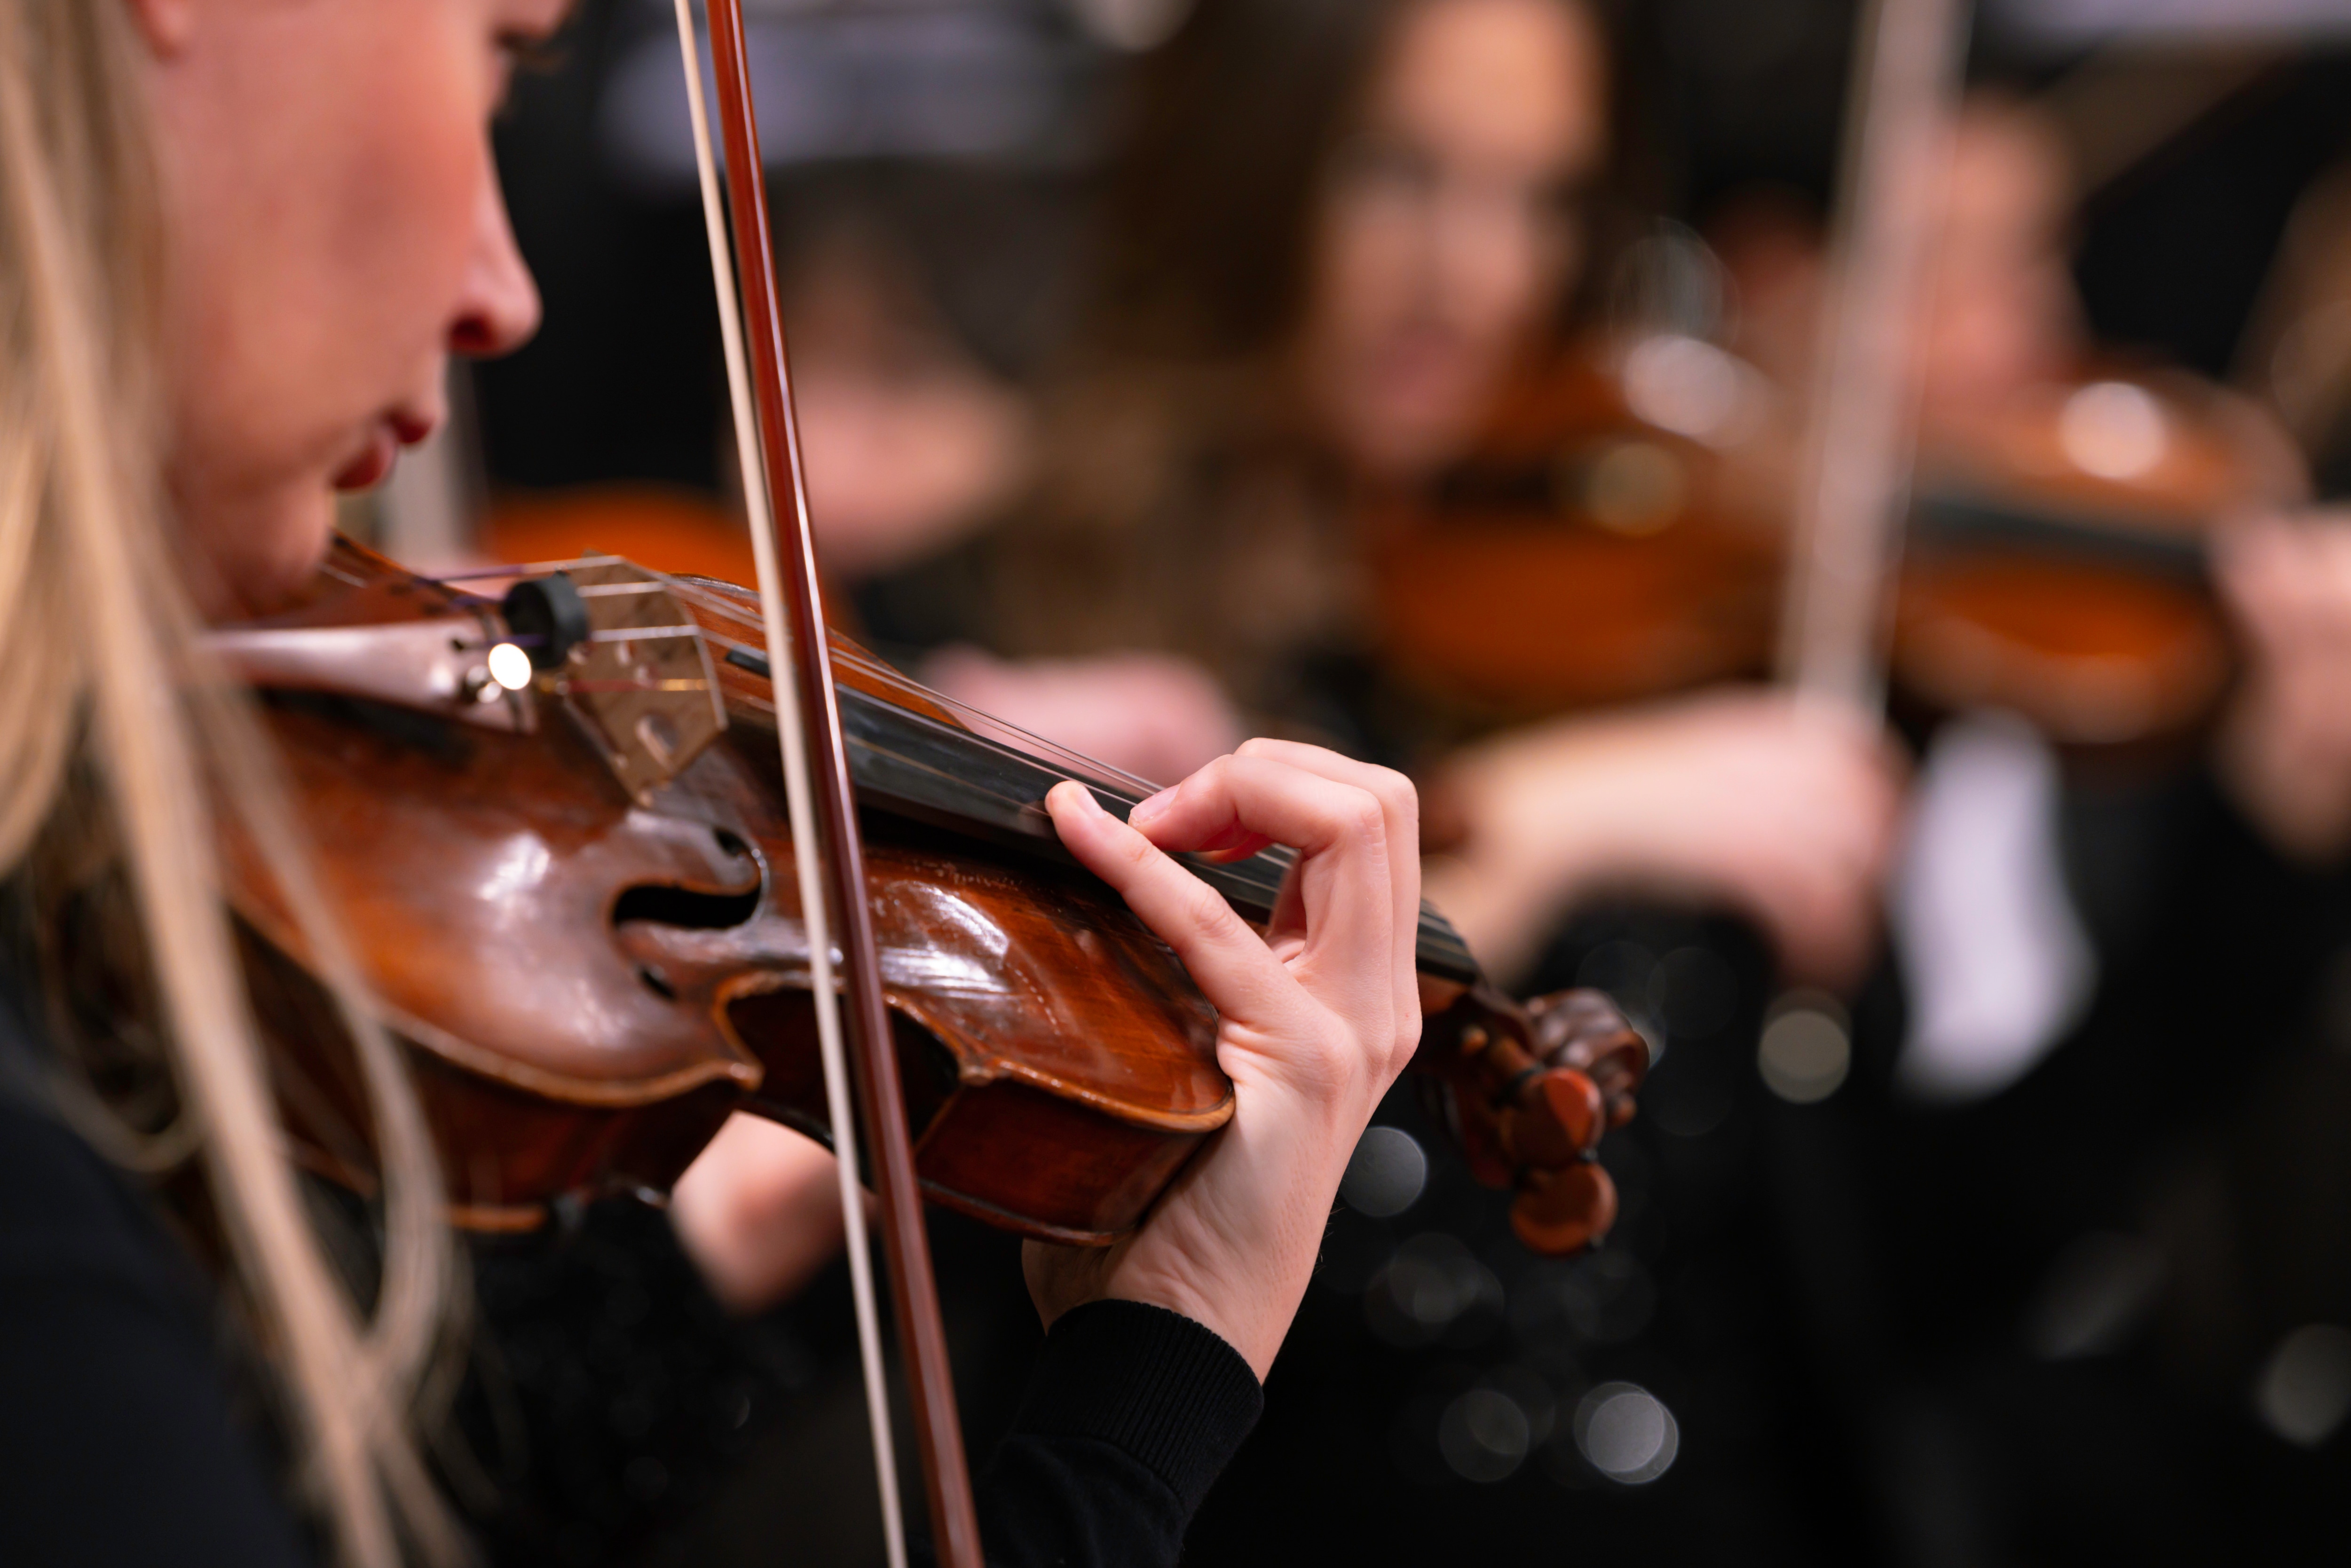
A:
[662,903]
[691,909]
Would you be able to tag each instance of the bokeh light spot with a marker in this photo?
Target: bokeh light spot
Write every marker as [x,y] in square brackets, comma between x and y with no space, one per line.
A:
[1626,1433]
[2304,1390]
[1483,1435]
[2114,430]
[1805,1052]
[1434,1286]
[1387,1174]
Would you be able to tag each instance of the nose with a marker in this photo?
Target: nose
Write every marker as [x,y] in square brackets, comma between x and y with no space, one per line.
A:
[498,310]
[1487,255]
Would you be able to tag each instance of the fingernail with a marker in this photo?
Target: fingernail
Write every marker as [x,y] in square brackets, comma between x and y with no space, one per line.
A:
[1150,807]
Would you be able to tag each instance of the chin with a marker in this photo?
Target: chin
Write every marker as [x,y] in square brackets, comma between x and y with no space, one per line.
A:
[253,559]
[297,543]
[1406,428]
[1410,447]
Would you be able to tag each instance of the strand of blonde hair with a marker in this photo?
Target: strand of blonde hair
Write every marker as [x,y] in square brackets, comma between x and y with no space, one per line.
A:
[97,635]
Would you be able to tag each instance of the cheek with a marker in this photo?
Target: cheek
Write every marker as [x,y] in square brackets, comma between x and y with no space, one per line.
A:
[321,175]
[327,241]
[394,233]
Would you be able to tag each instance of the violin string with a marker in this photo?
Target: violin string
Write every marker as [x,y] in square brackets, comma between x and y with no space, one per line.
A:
[1260,873]
[1263,871]
[540,640]
[1074,764]
[825,995]
[526,569]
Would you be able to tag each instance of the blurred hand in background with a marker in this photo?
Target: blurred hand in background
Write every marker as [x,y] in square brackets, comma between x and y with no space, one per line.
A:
[1155,716]
[1738,798]
[760,1213]
[2284,751]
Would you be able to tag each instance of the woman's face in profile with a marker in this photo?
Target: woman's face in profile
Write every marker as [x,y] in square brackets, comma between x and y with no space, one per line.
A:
[1447,227]
[2001,314]
[333,230]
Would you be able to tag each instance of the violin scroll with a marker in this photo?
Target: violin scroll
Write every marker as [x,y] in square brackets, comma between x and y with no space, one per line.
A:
[1528,1090]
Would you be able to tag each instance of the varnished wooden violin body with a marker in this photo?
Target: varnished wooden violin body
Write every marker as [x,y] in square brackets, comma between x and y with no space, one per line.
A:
[572,898]
[2053,564]
[1588,552]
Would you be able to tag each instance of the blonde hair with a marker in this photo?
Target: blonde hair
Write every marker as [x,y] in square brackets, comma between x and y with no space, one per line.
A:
[96,637]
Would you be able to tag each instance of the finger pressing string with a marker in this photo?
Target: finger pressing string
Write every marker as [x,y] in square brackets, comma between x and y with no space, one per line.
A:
[1341,878]
[1345,874]
[1236,970]
[1400,804]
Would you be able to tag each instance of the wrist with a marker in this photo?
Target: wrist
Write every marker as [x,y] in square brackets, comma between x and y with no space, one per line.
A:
[1254,1330]
[1066,1279]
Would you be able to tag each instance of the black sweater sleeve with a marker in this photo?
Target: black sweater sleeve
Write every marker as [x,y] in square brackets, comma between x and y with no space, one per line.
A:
[1132,1414]
[117,1450]
[117,1445]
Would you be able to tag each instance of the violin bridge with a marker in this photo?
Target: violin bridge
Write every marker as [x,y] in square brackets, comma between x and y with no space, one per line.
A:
[641,684]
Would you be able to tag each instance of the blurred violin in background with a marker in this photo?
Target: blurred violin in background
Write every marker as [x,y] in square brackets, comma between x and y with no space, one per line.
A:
[1619,534]
[2055,563]
[1595,547]
[1622,529]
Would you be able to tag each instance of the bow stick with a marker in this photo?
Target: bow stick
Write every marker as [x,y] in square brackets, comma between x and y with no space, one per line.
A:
[817,785]
[1857,477]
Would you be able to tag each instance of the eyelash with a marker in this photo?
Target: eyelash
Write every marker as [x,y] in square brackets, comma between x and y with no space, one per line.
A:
[525,55]
[530,55]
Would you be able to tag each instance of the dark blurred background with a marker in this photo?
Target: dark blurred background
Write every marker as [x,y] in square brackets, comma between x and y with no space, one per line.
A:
[2091,1318]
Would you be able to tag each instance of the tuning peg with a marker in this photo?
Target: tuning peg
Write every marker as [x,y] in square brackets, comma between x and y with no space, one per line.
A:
[1558,1120]
[1558,1212]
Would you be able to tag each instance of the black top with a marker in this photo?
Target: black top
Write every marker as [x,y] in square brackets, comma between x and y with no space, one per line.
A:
[118,1444]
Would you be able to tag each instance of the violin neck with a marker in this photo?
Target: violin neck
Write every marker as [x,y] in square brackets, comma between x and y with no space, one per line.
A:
[931,769]
[1955,516]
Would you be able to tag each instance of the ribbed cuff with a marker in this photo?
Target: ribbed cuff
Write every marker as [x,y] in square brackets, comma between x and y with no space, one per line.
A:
[1151,1382]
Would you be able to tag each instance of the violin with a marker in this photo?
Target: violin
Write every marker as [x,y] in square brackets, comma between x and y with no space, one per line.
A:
[1591,549]
[574,899]
[1616,536]
[2055,560]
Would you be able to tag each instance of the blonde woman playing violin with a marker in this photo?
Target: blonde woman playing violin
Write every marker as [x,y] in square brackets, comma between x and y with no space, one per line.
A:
[238,241]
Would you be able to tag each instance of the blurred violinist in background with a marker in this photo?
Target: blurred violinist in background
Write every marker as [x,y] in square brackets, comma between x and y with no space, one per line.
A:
[1335,238]
[1337,232]
[928,177]
[2091,564]
[1371,425]
[2120,638]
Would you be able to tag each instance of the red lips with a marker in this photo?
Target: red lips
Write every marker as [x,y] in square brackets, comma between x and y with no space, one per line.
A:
[372,465]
